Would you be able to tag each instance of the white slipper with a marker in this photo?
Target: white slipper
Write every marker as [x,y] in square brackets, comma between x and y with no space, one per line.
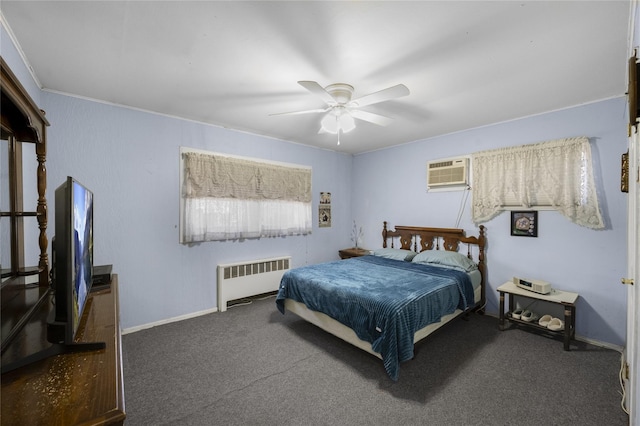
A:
[556,324]
[529,316]
[545,320]
[517,313]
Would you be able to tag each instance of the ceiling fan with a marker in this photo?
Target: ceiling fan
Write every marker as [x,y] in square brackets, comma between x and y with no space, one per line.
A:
[341,109]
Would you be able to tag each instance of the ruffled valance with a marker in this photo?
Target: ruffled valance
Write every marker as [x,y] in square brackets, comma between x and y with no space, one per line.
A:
[212,175]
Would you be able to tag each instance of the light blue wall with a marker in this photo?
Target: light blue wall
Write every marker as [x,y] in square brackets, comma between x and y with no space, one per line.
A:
[12,57]
[390,185]
[130,160]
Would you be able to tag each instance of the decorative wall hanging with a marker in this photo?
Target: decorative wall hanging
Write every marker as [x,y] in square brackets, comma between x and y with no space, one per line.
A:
[624,173]
[524,223]
[324,210]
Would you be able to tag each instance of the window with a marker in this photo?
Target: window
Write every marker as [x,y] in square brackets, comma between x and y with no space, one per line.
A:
[225,197]
[556,174]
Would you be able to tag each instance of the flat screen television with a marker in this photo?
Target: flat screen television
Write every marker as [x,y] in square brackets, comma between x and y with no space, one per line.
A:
[72,258]
[71,272]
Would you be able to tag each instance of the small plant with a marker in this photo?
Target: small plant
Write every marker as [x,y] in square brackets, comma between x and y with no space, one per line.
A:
[356,234]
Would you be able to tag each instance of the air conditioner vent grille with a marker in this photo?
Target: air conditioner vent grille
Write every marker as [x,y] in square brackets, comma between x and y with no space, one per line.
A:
[440,164]
[445,173]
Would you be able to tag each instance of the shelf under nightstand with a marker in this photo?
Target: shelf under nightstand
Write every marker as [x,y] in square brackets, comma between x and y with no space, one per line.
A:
[559,297]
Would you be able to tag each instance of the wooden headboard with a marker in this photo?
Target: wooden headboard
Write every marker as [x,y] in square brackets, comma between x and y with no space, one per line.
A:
[417,238]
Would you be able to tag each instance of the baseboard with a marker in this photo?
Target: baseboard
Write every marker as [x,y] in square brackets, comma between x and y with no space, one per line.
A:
[238,302]
[215,309]
[601,344]
[168,321]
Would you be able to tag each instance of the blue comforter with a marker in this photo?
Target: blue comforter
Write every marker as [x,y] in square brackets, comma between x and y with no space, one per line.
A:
[384,301]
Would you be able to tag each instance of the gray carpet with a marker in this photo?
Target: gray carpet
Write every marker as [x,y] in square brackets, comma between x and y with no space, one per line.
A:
[253,366]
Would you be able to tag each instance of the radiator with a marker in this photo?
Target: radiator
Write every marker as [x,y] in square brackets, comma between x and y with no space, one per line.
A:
[245,279]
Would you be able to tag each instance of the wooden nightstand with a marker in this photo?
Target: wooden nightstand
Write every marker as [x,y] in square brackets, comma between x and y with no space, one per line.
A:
[353,252]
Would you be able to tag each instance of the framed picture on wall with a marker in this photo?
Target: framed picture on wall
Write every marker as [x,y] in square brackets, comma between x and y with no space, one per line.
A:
[324,216]
[524,223]
[325,198]
[324,210]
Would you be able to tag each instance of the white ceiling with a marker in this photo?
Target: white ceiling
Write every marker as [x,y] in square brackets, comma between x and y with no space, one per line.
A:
[232,64]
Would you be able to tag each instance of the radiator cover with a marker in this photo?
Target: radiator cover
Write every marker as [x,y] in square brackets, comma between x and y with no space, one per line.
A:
[250,278]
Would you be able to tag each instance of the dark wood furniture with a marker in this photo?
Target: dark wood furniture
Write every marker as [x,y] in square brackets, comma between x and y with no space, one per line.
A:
[70,389]
[21,122]
[418,238]
[564,298]
[353,252]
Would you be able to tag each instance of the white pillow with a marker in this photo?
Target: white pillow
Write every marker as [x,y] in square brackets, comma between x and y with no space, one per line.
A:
[396,254]
[452,259]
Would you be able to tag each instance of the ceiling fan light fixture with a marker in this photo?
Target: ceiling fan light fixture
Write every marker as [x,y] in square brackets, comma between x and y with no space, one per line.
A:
[331,123]
[342,110]
[347,123]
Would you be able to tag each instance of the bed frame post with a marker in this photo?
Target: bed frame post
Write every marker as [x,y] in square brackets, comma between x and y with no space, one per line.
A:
[384,235]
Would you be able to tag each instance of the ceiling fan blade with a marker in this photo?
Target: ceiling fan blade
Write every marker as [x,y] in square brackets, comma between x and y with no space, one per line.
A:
[393,92]
[318,90]
[380,120]
[309,111]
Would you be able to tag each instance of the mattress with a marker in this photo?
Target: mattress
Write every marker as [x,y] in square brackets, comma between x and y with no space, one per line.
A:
[385,302]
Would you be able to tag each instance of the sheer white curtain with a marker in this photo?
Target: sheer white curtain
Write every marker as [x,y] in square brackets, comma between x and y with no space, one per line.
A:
[557,174]
[236,198]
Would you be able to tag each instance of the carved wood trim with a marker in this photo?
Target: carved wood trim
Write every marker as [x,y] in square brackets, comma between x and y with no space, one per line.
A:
[22,121]
[450,239]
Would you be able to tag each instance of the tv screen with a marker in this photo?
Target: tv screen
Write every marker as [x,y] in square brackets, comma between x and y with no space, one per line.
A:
[72,255]
[71,273]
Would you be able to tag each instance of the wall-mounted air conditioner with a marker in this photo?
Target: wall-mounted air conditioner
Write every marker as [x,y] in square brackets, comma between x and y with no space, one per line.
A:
[445,173]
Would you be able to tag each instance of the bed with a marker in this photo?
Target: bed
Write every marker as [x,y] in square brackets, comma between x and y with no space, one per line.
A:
[384,303]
